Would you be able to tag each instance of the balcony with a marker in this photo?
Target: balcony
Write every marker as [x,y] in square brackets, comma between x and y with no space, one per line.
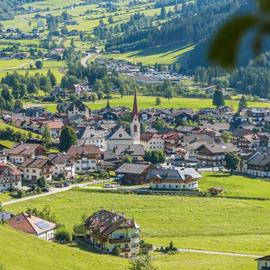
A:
[135,236]
[119,240]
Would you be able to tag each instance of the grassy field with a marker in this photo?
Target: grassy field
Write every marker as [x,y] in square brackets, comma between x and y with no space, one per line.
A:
[201,223]
[4,125]
[43,256]
[6,143]
[235,185]
[162,55]
[150,102]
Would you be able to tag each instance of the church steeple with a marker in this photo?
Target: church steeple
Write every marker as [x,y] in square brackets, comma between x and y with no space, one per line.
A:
[135,128]
[135,106]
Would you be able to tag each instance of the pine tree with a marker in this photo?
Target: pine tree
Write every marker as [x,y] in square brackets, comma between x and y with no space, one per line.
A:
[242,103]
[67,138]
[218,99]
[46,138]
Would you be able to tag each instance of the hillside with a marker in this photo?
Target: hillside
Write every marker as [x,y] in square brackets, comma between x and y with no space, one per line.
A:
[26,251]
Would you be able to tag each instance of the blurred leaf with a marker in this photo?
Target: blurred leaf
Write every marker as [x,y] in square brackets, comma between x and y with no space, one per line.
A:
[264,5]
[226,43]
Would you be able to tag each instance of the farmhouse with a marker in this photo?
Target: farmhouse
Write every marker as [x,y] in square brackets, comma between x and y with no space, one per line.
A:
[133,174]
[110,232]
[33,225]
[22,151]
[152,141]
[33,169]
[258,165]
[74,108]
[214,154]
[89,136]
[87,158]
[10,177]
[174,179]
[63,166]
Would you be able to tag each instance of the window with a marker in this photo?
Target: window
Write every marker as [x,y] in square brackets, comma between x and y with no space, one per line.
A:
[135,128]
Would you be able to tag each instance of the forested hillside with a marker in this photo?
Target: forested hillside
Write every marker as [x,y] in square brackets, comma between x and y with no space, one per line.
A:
[196,22]
[8,7]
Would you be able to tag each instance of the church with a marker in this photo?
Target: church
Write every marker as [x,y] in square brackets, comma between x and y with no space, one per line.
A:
[121,136]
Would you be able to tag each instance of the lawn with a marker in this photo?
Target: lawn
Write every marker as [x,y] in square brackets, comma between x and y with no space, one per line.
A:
[150,102]
[43,256]
[5,197]
[200,223]
[162,55]
[236,185]
[6,143]
[4,125]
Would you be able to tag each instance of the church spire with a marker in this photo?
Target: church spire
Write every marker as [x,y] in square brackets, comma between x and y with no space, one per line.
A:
[135,105]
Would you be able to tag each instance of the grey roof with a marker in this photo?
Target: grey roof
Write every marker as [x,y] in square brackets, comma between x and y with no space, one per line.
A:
[90,133]
[133,168]
[174,174]
[119,133]
[259,159]
[132,150]
[217,148]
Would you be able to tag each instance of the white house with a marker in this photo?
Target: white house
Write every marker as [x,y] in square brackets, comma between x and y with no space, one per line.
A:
[63,166]
[28,223]
[10,177]
[174,179]
[108,231]
[152,141]
[33,169]
[87,158]
[88,135]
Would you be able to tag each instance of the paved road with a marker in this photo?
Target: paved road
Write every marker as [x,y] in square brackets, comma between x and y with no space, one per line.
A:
[85,59]
[220,253]
[54,191]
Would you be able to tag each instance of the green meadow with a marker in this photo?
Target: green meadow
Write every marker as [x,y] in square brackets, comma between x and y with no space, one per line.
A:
[200,223]
[161,55]
[20,251]
[236,185]
[150,102]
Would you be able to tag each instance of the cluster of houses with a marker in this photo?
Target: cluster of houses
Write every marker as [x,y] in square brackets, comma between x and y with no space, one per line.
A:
[103,143]
[133,71]
[107,231]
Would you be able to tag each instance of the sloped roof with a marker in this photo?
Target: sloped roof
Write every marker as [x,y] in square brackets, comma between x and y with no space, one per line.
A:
[80,149]
[24,148]
[133,168]
[105,222]
[174,174]
[30,224]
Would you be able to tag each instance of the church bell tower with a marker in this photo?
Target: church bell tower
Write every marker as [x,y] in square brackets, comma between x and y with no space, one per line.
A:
[135,128]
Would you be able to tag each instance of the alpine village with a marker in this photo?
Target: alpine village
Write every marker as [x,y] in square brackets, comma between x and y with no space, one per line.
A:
[134,135]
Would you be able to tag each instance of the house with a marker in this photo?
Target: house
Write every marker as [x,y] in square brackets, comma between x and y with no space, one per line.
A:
[55,128]
[133,174]
[263,263]
[257,115]
[74,108]
[63,166]
[28,223]
[174,179]
[152,141]
[110,231]
[135,151]
[87,158]
[88,135]
[22,151]
[33,169]
[214,154]
[10,177]
[248,141]
[258,165]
